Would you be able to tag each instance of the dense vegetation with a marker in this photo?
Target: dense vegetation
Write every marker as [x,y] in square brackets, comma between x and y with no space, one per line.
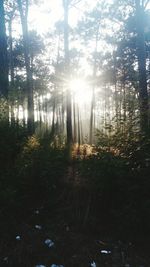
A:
[74,134]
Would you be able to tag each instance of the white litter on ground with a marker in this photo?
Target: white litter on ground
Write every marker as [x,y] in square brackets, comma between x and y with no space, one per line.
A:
[49,243]
[93,264]
[18,237]
[38,227]
[105,251]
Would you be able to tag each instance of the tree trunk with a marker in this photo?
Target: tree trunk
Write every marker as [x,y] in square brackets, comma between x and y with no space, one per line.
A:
[29,85]
[92,115]
[141,55]
[3,54]
[67,61]
[74,122]
[53,118]
[10,41]
[79,132]
[11,69]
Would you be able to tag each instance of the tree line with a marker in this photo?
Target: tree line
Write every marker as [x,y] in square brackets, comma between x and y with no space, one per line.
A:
[112,39]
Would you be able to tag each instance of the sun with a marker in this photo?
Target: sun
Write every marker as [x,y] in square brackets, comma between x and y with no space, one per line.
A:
[81,92]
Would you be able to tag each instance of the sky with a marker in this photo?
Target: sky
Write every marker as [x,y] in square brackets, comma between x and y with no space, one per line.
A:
[42,18]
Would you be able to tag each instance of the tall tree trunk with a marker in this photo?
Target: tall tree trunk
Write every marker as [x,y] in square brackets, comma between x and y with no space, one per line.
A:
[115,92]
[11,68]
[79,132]
[53,118]
[10,41]
[67,63]
[141,54]
[74,122]
[93,89]
[3,62]
[24,22]
[92,116]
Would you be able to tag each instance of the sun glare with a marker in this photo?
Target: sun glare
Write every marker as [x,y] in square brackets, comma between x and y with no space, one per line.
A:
[80,91]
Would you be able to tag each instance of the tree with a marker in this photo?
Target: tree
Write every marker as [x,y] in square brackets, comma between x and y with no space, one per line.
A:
[67,62]
[3,54]
[131,55]
[141,54]
[23,10]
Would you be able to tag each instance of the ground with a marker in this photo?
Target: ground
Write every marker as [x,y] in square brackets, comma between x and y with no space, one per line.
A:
[72,213]
[24,231]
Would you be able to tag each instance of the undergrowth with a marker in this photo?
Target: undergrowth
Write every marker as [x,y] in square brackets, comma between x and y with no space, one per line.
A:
[112,191]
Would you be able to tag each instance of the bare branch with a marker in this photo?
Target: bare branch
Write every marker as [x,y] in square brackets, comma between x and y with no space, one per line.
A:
[146,3]
[74,2]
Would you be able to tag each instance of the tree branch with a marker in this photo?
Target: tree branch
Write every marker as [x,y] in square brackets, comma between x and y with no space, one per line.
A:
[146,3]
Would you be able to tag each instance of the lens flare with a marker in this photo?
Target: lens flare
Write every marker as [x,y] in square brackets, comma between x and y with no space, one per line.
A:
[81,92]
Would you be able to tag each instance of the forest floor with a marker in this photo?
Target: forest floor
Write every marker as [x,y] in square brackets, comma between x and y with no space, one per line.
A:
[38,238]
[31,235]
[60,224]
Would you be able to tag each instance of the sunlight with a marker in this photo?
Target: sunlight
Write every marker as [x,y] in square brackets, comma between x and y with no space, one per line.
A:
[81,91]
[47,14]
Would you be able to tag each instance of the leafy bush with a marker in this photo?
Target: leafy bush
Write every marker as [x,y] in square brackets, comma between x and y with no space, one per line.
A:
[12,139]
[40,168]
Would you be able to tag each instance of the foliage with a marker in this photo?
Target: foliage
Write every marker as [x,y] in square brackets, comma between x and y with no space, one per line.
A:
[119,195]
[29,165]
[40,167]
[12,140]
[113,191]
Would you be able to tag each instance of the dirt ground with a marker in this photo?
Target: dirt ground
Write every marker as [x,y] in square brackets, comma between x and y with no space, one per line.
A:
[23,243]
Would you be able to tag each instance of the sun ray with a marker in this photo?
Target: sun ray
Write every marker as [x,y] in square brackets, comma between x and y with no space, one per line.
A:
[81,92]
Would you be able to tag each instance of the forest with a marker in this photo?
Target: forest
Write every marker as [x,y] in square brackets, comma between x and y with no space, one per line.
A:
[74,133]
